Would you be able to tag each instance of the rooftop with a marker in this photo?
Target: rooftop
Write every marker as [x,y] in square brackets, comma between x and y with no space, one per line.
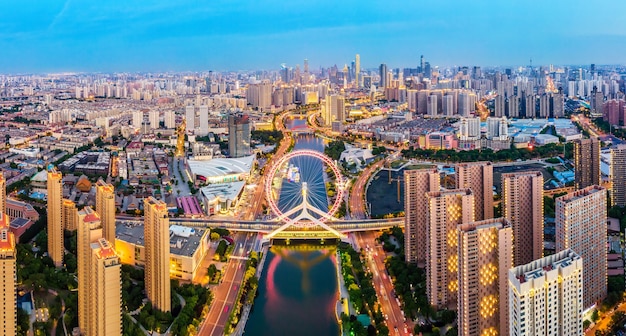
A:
[183,241]
[221,166]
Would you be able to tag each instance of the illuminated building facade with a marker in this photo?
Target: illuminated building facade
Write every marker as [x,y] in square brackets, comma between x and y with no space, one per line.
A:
[55,216]
[157,246]
[618,175]
[587,162]
[89,230]
[8,303]
[105,206]
[485,257]
[105,292]
[69,215]
[581,227]
[446,210]
[477,176]
[522,204]
[546,296]
[416,184]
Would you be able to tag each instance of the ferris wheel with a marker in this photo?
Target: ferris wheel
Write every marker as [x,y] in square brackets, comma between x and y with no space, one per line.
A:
[297,185]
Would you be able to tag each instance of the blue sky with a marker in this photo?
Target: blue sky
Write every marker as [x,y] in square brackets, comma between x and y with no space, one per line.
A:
[178,35]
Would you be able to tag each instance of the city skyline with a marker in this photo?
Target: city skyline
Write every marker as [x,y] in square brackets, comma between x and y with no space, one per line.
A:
[187,36]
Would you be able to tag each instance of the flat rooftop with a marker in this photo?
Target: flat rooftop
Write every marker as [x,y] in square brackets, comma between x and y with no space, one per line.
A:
[183,241]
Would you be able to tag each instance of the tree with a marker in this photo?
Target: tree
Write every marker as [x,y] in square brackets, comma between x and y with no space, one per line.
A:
[212,271]
[214,236]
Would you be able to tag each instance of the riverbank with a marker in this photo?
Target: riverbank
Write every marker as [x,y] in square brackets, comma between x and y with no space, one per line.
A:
[343,298]
[245,312]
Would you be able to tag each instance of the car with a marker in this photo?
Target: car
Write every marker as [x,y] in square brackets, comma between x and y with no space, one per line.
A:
[406,330]
[226,309]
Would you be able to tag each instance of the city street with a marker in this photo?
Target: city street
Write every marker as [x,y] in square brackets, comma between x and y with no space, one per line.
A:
[225,294]
[357,197]
[390,305]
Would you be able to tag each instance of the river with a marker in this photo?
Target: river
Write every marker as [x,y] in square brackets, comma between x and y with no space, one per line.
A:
[298,289]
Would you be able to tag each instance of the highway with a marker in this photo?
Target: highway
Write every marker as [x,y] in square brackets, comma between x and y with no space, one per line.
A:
[390,305]
[225,294]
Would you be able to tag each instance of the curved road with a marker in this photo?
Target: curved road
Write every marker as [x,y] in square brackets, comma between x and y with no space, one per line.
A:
[357,194]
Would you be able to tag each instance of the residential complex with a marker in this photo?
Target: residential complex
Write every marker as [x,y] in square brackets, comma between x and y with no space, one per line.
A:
[417,183]
[485,256]
[522,205]
[581,227]
[446,210]
[546,296]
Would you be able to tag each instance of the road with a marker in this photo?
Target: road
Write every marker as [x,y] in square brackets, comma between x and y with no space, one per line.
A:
[257,196]
[357,195]
[225,294]
[604,321]
[390,306]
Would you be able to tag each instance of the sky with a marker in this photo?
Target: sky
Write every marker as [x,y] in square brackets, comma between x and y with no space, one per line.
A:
[185,35]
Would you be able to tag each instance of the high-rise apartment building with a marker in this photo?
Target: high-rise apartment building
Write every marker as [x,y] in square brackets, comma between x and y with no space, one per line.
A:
[55,216]
[89,231]
[3,194]
[581,226]
[417,183]
[8,302]
[522,205]
[190,117]
[137,119]
[446,210]
[587,163]
[169,119]
[238,135]
[485,257]
[105,206]
[334,109]
[546,296]
[157,247]
[69,215]
[618,175]
[477,176]
[259,95]
[154,119]
[105,290]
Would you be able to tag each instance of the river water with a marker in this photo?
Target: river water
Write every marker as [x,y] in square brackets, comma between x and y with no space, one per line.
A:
[298,288]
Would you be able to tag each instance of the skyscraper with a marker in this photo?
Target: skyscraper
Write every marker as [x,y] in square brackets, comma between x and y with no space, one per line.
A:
[485,256]
[105,290]
[522,204]
[8,303]
[105,206]
[55,216]
[618,175]
[357,70]
[89,231]
[382,70]
[545,296]
[154,119]
[416,184]
[581,226]
[477,176]
[586,162]
[446,210]
[169,118]
[334,109]
[157,248]
[238,135]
